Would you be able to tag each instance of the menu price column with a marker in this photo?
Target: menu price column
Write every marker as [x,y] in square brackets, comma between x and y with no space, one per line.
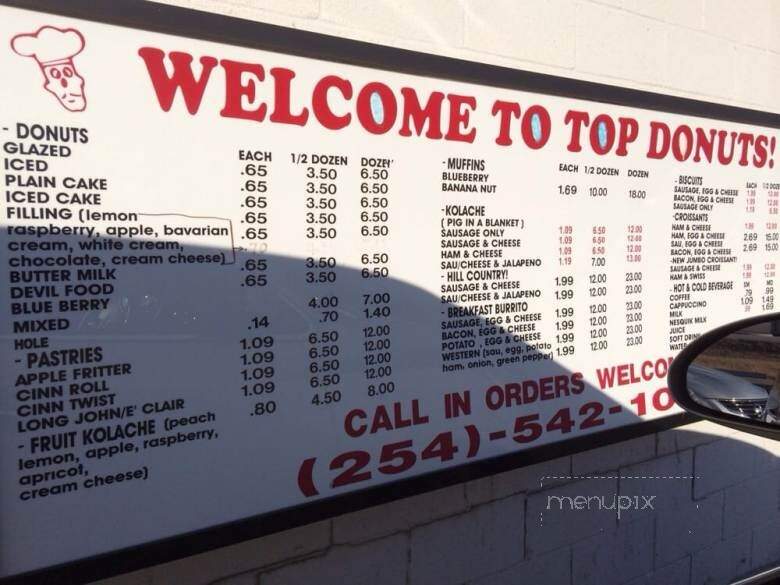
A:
[376,301]
[771,244]
[256,346]
[322,175]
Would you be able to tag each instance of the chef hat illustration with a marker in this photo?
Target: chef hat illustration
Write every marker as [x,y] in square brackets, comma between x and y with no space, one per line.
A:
[54,49]
[49,45]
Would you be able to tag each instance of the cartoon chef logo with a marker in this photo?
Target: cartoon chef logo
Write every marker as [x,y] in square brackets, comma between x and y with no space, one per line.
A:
[54,49]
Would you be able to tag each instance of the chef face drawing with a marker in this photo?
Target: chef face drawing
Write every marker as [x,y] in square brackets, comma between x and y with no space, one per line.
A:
[54,49]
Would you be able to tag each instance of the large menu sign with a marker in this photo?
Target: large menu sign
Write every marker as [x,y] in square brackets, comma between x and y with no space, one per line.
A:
[236,280]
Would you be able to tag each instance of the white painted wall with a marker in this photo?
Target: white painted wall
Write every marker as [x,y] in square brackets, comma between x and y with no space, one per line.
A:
[717,492]
[718,50]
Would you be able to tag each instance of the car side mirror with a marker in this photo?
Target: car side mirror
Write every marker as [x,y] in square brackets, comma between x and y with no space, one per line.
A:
[731,376]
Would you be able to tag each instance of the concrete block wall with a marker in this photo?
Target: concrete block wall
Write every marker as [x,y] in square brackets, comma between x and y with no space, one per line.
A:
[714,517]
[715,493]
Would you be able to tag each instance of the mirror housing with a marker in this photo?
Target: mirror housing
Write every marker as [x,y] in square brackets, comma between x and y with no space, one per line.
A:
[731,376]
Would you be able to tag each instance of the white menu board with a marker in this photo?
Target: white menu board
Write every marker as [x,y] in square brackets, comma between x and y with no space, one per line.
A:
[236,281]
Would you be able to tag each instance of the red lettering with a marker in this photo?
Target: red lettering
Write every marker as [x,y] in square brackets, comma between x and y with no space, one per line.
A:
[282,114]
[561,386]
[415,114]
[349,423]
[662,367]
[647,370]
[381,421]
[724,158]
[761,154]
[366,114]
[398,417]
[704,145]
[530,391]
[321,107]
[165,86]
[682,149]
[576,119]
[622,373]
[606,377]
[513,394]
[546,388]
[544,127]
[238,86]
[629,130]
[417,418]
[459,118]
[746,141]
[659,130]
[494,397]
[506,111]
[602,120]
